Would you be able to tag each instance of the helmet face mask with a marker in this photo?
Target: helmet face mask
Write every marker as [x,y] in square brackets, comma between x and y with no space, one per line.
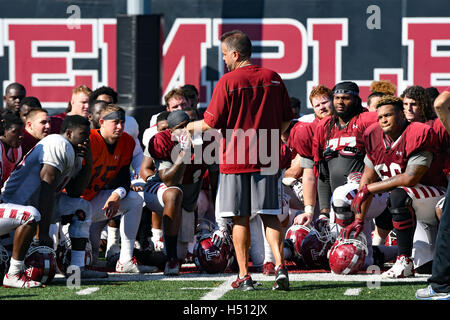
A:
[317,243]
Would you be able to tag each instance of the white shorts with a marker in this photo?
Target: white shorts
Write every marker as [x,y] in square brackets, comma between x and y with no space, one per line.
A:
[14,215]
[131,202]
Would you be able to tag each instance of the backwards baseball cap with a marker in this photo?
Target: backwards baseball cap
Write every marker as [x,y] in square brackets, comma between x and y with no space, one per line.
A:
[176,117]
[347,87]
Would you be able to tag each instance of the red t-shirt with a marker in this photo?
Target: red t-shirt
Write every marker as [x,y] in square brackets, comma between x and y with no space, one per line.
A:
[247,104]
[160,148]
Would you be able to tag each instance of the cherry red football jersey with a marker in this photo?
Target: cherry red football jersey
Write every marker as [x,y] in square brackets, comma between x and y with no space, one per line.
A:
[392,161]
[345,141]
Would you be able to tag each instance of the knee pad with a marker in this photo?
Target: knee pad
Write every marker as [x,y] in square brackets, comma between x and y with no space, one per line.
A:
[343,215]
[400,206]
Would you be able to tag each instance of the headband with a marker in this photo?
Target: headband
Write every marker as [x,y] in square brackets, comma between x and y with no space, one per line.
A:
[115,115]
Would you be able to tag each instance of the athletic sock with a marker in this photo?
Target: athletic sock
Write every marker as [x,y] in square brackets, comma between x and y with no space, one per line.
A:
[16,266]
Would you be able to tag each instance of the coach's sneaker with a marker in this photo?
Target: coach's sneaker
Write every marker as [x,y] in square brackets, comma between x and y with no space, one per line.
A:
[244,284]
[281,278]
[133,266]
[402,268]
[268,268]
[172,267]
[20,280]
[429,294]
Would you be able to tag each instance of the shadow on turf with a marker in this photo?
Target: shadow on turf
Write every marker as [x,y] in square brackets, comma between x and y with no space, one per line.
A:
[20,296]
[342,285]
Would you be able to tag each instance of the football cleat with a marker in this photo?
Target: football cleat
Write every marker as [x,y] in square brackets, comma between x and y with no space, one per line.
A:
[402,268]
[21,280]
[133,266]
[172,268]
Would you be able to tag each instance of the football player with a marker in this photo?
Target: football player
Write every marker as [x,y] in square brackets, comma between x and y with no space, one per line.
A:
[11,137]
[37,126]
[14,93]
[300,140]
[400,154]
[338,146]
[32,195]
[108,190]
[174,190]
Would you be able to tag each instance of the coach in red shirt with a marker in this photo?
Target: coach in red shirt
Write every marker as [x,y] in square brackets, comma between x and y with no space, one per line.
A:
[251,107]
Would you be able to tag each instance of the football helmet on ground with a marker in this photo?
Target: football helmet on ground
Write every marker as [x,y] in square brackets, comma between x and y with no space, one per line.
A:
[40,264]
[317,243]
[346,256]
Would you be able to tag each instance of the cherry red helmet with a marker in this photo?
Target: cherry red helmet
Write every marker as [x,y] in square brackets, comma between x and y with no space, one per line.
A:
[317,243]
[209,258]
[64,255]
[40,264]
[347,256]
[297,233]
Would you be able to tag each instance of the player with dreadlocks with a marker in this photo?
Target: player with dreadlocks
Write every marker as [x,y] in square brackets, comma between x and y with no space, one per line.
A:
[338,147]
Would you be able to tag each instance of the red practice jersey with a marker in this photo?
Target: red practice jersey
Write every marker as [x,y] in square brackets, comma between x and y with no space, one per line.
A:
[417,137]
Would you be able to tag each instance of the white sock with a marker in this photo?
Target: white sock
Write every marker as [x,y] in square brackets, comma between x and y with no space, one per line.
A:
[113,237]
[77,258]
[126,251]
[16,266]
[377,240]
[157,233]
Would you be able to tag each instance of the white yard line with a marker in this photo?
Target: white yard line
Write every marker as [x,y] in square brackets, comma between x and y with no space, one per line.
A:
[219,292]
[352,292]
[87,291]
[255,276]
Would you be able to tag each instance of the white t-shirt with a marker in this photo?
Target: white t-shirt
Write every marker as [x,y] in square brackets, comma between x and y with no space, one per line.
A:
[23,186]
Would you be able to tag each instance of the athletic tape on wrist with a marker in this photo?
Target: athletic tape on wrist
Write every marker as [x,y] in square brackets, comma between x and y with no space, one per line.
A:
[309,209]
[121,192]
